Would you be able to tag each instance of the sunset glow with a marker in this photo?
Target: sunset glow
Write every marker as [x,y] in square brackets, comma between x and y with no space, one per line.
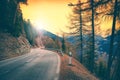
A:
[52,15]
[39,24]
[48,14]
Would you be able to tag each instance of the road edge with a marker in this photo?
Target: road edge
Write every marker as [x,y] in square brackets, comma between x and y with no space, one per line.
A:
[58,68]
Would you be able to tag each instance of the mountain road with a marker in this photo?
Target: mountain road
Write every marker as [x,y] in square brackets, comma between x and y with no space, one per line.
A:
[39,64]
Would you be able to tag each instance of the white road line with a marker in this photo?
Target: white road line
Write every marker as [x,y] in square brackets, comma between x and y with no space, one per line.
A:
[58,68]
[29,60]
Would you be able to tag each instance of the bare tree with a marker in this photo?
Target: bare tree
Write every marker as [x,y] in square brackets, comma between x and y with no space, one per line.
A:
[111,42]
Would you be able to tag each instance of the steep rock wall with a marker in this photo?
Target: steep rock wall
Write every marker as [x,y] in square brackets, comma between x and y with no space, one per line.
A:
[11,46]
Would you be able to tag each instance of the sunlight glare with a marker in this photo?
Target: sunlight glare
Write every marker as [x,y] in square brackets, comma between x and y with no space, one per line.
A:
[39,25]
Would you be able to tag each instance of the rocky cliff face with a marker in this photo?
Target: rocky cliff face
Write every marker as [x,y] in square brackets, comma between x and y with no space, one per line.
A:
[11,46]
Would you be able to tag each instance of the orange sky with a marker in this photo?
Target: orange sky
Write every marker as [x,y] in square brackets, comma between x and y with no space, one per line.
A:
[48,14]
[52,15]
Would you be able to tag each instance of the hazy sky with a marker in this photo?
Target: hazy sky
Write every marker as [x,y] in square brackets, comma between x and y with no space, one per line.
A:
[52,15]
[48,14]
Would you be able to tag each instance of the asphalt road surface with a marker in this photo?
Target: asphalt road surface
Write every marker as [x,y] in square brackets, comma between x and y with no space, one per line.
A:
[36,65]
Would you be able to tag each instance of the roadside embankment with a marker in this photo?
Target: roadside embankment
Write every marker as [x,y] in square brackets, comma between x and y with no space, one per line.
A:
[76,71]
[11,46]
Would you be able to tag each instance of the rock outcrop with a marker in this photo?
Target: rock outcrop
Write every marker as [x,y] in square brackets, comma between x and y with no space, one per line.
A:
[11,46]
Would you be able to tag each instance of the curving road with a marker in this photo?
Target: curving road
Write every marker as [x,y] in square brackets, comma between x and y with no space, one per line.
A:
[37,65]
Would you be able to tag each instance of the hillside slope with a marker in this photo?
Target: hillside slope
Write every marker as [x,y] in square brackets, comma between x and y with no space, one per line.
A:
[11,46]
[74,72]
[50,34]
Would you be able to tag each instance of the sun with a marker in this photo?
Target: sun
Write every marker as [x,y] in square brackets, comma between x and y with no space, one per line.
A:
[39,25]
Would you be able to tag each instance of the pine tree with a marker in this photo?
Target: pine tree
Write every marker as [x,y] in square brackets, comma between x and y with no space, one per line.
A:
[63,44]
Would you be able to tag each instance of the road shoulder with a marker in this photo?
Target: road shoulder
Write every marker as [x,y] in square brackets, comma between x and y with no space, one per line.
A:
[76,71]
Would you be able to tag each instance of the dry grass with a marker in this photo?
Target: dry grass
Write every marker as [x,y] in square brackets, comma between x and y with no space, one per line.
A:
[74,72]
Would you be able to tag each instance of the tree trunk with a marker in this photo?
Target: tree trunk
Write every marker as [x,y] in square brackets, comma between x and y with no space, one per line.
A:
[14,16]
[116,72]
[111,43]
[93,40]
[81,44]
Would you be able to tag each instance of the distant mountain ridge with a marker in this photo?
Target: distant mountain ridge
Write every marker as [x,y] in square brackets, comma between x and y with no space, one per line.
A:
[50,34]
[102,43]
